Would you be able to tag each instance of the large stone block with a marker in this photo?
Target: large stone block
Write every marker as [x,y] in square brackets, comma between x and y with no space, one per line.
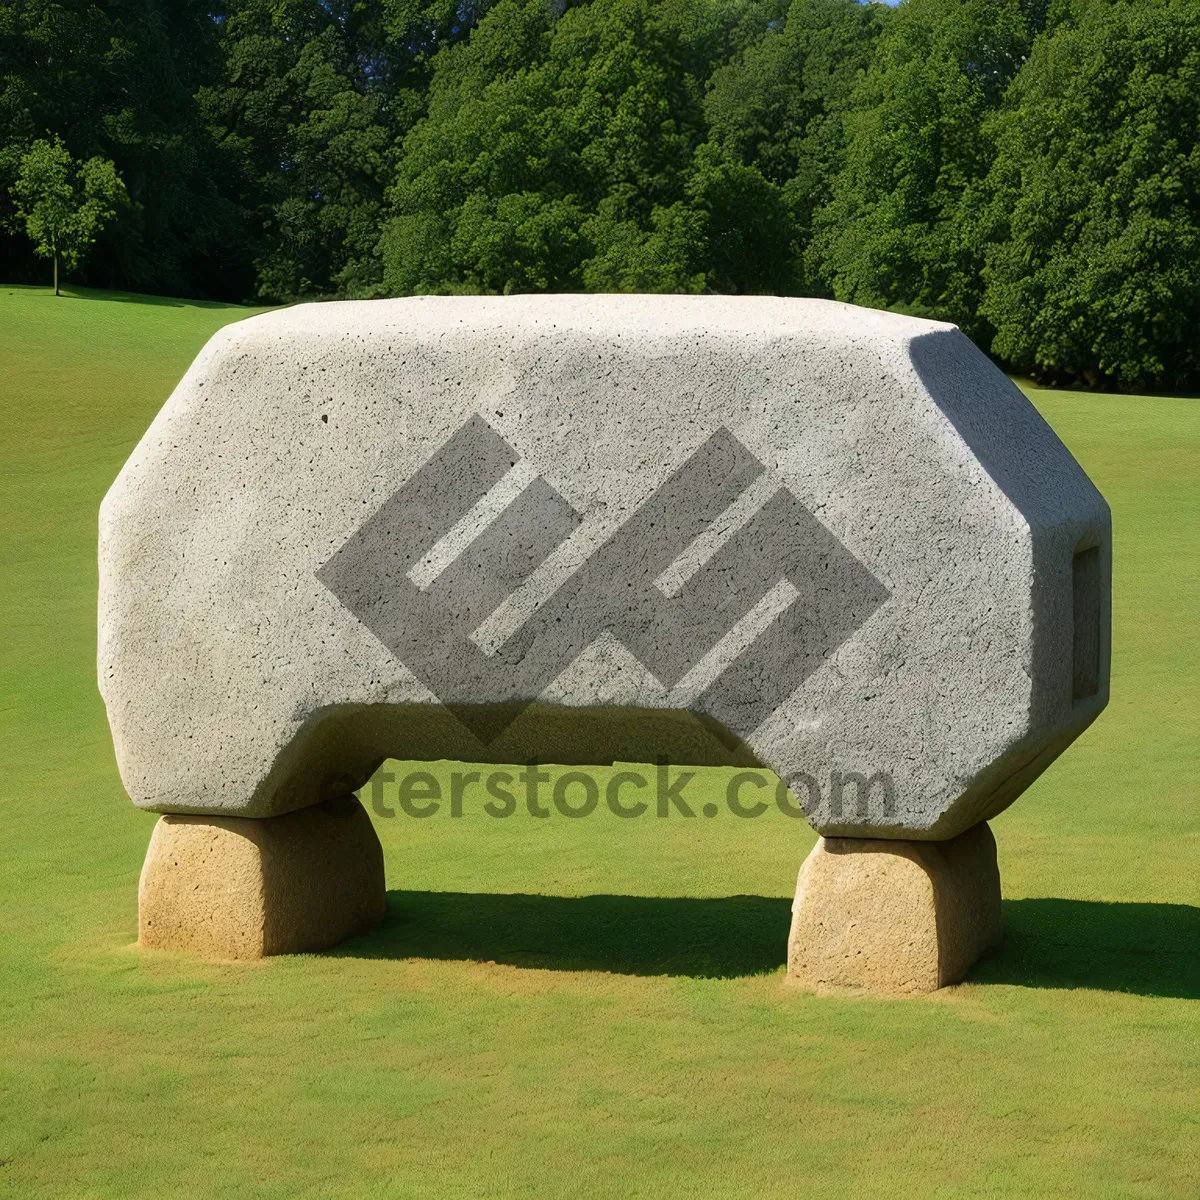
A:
[892,917]
[834,541]
[236,887]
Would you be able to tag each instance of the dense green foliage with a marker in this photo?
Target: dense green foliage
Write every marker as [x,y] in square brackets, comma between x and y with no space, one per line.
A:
[1027,168]
[1093,228]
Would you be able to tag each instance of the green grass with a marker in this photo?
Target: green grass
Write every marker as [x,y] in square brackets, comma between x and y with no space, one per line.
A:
[581,1007]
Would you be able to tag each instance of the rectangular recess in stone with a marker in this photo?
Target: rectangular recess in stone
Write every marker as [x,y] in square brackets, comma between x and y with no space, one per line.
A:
[1085,650]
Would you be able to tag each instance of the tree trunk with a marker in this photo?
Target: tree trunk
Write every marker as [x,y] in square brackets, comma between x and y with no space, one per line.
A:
[55,257]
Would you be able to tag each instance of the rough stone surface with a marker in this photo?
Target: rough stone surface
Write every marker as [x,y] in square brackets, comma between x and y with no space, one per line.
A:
[833,541]
[236,887]
[892,916]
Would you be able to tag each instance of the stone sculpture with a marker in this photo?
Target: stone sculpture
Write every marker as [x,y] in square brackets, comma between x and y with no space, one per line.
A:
[832,541]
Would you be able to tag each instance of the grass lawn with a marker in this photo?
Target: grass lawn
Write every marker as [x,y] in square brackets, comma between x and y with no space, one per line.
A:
[592,1008]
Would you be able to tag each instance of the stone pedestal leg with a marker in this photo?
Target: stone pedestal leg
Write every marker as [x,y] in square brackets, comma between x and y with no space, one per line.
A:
[892,917]
[236,887]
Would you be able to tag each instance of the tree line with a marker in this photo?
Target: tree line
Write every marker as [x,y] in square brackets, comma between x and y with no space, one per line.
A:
[1029,169]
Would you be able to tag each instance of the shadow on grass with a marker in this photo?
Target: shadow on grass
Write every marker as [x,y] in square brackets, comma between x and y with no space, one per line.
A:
[161,301]
[627,935]
[70,292]
[1146,949]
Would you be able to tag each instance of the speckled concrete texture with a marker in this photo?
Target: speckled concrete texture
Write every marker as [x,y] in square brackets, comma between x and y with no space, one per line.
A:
[236,887]
[833,541]
[892,917]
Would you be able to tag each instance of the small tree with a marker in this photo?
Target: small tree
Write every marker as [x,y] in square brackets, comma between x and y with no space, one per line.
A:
[63,204]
